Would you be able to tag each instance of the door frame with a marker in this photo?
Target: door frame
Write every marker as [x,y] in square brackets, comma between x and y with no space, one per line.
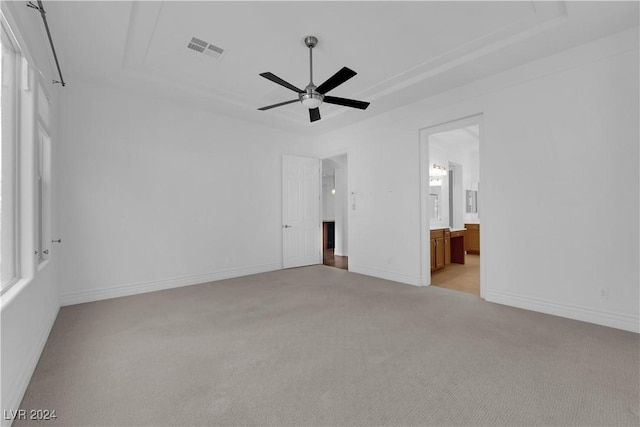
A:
[425,203]
[320,204]
[347,176]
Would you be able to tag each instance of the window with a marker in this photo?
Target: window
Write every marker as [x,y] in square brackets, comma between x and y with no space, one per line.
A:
[25,169]
[9,173]
[42,235]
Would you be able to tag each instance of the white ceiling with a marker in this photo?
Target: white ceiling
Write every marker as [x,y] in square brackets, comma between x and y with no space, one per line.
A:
[402,51]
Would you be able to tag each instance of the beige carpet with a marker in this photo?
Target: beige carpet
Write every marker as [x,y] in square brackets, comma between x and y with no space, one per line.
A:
[323,346]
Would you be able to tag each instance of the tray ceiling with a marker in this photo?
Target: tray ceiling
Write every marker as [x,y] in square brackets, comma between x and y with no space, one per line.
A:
[402,51]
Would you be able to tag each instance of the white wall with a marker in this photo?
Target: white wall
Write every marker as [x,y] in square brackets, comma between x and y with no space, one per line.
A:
[341,203]
[334,206]
[328,198]
[442,153]
[472,182]
[548,245]
[158,195]
[439,156]
[29,308]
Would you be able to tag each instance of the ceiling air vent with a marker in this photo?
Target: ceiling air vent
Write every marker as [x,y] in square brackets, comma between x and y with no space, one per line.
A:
[202,46]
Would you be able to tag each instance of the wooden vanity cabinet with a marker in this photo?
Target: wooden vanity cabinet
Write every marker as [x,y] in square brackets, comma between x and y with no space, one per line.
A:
[472,240]
[447,247]
[437,250]
[456,246]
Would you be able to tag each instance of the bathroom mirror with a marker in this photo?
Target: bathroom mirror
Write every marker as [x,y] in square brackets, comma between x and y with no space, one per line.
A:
[472,201]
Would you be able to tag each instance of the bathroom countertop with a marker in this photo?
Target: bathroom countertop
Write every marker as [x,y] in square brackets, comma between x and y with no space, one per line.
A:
[440,227]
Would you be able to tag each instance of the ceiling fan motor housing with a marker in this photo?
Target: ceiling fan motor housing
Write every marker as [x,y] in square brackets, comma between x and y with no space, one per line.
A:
[310,98]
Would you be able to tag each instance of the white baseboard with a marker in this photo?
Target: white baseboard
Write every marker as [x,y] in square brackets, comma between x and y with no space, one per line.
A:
[15,395]
[340,252]
[158,285]
[585,314]
[387,275]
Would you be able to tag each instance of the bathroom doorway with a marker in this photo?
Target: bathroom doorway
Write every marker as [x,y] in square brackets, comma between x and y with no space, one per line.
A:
[335,224]
[450,183]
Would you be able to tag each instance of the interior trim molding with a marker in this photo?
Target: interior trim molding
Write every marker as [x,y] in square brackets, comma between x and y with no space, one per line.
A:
[158,285]
[599,317]
[384,274]
[543,16]
[15,392]
[147,16]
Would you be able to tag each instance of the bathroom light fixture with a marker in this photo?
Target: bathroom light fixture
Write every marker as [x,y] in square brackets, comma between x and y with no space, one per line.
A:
[436,174]
[333,190]
[438,170]
[435,181]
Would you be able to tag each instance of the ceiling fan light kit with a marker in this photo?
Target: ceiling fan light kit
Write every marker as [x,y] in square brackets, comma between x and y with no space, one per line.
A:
[312,97]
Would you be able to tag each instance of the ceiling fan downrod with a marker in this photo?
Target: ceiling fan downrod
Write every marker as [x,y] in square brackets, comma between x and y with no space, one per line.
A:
[310,42]
[310,98]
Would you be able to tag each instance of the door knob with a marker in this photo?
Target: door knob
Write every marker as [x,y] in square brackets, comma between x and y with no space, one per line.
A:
[287,226]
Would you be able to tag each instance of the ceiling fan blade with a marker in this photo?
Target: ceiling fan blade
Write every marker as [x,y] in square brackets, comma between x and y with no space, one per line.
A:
[314,114]
[346,102]
[336,80]
[276,79]
[268,107]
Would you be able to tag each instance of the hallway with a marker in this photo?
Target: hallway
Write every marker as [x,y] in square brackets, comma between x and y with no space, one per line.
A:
[328,258]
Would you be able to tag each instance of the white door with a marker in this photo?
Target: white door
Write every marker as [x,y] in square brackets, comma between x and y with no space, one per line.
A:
[300,211]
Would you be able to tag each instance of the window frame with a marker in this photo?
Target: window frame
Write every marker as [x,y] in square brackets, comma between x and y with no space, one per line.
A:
[33,112]
[13,149]
[42,176]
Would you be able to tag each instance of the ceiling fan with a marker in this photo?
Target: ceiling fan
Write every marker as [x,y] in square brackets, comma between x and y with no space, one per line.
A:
[312,96]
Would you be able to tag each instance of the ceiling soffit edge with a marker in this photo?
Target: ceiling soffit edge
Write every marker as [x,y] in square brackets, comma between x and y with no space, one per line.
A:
[547,15]
[145,15]
[142,25]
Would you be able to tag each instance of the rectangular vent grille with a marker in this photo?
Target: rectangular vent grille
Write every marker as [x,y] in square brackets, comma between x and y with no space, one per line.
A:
[202,46]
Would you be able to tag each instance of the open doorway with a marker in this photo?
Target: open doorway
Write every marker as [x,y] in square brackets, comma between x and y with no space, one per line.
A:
[335,242]
[450,183]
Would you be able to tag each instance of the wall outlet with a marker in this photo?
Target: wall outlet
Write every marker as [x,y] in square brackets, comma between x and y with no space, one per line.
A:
[604,293]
